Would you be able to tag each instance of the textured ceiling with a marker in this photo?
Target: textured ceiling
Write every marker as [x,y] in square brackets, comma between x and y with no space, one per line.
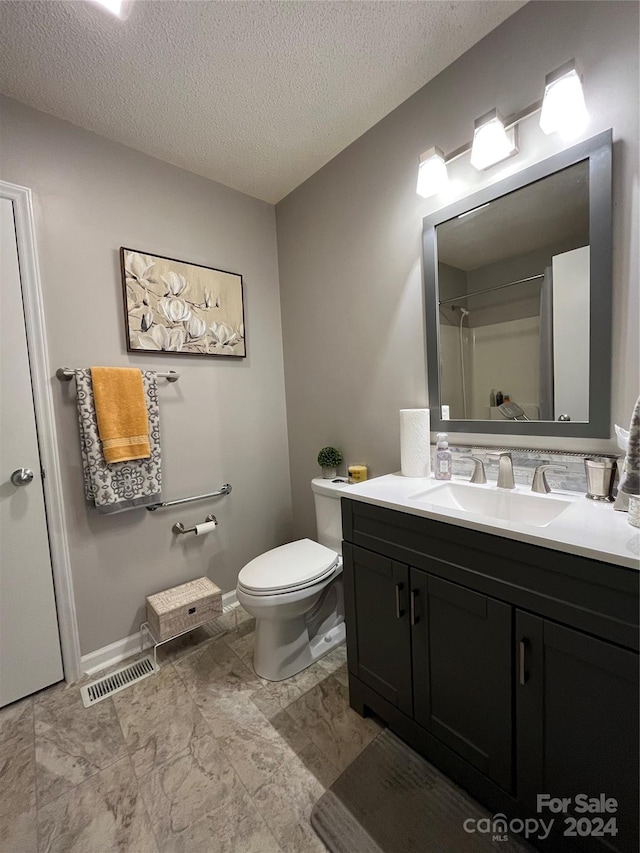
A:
[255,95]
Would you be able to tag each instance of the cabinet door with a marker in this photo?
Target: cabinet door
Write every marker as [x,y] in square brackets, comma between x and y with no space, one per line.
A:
[462,672]
[577,723]
[377,593]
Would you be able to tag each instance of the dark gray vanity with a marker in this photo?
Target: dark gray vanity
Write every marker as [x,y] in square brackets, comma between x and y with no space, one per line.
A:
[512,667]
[506,652]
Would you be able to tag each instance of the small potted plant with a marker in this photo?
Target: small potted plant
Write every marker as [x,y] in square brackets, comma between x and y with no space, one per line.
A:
[329,458]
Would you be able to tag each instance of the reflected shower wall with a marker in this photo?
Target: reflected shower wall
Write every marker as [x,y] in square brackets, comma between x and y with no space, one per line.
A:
[500,356]
[490,324]
[505,356]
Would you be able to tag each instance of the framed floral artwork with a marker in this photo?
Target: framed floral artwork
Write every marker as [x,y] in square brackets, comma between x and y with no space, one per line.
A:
[179,307]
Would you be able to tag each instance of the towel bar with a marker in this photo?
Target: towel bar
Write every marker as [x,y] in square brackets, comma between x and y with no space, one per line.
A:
[225,490]
[66,374]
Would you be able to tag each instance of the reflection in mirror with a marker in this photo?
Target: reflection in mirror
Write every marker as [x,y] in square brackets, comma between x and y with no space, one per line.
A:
[514,291]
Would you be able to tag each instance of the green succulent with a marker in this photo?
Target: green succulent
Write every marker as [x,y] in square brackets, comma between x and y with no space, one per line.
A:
[329,457]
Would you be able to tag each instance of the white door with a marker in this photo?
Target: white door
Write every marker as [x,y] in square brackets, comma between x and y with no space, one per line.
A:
[30,656]
[571,305]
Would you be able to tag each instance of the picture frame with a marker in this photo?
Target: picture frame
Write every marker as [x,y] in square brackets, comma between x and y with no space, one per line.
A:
[181,308]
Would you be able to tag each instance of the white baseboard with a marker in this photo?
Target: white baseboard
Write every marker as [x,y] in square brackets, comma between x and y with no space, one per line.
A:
[122,649]
[229,601]
[112,654]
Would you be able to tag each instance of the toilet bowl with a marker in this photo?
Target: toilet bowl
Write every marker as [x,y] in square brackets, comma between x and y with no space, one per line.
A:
[295,594]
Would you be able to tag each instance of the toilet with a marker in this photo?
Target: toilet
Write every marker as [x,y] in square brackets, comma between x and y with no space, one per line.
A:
[295,593]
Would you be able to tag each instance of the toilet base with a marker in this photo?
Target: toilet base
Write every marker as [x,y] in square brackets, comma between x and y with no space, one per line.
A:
[295,651]
[321,646]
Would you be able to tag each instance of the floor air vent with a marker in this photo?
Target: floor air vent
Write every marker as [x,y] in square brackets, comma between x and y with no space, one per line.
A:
[116,681]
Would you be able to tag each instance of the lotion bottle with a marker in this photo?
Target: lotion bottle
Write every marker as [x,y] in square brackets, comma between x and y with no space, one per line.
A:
[444,463]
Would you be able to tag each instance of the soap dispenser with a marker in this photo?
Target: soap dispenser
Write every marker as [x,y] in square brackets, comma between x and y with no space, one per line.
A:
[444,462]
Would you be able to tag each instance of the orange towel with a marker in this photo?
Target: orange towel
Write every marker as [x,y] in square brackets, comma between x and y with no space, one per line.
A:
[121,412]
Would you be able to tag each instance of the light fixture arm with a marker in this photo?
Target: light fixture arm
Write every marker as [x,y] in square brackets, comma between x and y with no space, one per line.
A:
[509,122]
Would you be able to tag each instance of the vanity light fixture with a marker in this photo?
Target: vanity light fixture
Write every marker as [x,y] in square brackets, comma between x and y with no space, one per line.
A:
[491,141]
[563,107]
[113,6]
[432,173]
[494,139]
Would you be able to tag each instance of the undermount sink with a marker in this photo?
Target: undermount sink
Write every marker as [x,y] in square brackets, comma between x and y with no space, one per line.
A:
[538,511]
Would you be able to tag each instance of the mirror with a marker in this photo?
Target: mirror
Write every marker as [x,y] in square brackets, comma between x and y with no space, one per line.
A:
[518,305]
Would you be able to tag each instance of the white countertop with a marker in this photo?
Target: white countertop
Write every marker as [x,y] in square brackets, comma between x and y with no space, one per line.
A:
[588,528]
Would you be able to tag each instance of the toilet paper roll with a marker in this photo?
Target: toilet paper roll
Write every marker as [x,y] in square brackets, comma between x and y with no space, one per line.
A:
[415,443]
[205,527]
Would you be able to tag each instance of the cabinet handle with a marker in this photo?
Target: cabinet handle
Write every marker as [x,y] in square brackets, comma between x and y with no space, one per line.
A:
[399,610]
[524,675]
[412,602]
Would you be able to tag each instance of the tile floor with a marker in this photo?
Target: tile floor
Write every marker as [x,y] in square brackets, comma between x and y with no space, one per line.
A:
[204,757]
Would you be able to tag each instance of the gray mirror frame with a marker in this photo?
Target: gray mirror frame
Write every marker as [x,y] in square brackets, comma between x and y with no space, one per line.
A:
[598,151]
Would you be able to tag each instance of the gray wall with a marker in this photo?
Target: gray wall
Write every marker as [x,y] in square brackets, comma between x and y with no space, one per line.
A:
[349,245]
[224,421]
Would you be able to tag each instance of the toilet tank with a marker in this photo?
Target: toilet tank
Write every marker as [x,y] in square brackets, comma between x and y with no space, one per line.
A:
[326,495]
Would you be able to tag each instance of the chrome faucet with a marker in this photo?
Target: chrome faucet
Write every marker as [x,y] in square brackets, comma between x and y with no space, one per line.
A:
[505,469]
[540,484]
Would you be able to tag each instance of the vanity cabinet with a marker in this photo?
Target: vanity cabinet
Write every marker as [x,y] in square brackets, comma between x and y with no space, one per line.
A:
[381,635]
[426,645]
[462,666]
[577,720]
[513,668]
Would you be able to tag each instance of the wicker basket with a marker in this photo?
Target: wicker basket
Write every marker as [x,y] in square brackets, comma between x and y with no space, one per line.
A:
[183,607]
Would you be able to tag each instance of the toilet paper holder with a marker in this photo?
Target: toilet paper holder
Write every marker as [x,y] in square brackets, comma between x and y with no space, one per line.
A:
[179,527]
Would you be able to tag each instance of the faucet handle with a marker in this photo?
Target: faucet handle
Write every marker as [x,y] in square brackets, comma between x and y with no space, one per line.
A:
[539,483]
[499,454]
[479,475]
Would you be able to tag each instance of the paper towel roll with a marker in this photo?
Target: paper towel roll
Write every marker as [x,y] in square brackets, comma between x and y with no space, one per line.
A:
[415,443]
[205,527]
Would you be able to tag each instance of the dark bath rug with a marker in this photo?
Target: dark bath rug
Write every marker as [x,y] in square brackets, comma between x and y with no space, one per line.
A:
[391,800]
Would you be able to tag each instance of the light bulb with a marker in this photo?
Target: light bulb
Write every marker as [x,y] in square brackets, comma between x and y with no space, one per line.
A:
[432,173]
[563,107]
[114,6]
[491,142]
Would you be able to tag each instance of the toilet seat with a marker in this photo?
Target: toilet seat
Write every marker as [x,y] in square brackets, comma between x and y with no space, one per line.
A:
[290,567]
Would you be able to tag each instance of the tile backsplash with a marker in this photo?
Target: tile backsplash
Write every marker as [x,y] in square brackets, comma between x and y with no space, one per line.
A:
[524,464]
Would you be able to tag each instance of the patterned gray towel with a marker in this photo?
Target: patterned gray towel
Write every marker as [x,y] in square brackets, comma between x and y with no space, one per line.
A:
[630,477]
[121,485]
[631,480]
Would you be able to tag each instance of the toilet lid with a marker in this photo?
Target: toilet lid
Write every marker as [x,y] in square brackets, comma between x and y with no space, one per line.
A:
[289,566]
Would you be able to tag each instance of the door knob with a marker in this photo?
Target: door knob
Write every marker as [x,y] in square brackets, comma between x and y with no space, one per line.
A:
[22,476]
